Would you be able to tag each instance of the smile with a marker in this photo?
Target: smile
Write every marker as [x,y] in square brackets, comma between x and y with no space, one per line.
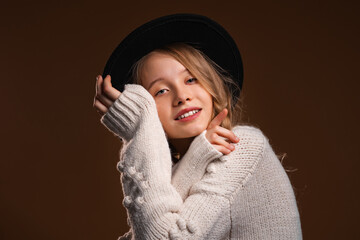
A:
[190,113]
[188,116]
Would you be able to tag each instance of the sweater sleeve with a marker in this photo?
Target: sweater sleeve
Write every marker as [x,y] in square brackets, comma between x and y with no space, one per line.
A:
[155,209]
[192,166]
[231,172]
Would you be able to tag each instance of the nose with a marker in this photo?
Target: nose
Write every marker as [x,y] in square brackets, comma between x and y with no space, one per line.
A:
[181,97]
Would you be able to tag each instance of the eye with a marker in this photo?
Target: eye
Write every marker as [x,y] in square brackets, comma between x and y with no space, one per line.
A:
[191,80]
[161,92]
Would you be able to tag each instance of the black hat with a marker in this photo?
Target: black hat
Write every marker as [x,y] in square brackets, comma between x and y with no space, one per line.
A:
[195,30]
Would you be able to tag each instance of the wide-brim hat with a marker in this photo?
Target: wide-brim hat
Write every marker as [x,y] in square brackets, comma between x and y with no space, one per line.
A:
[195,30]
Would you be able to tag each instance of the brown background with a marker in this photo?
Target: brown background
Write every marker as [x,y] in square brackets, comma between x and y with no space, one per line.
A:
[57,176]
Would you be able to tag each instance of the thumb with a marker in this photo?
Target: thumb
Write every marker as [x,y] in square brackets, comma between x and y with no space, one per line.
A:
[218,119]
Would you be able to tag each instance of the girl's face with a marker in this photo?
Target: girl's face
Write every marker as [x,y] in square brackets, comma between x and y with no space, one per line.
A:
[184,106]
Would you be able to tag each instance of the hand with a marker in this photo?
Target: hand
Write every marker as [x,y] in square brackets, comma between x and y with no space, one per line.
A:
[214,134]
[105,94]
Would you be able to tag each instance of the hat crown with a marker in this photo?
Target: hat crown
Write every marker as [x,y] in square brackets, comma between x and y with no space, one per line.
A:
[196,30]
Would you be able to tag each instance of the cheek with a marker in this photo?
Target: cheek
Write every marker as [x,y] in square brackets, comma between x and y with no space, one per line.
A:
[206,99]
[209,103]
[203,93]
[163,113]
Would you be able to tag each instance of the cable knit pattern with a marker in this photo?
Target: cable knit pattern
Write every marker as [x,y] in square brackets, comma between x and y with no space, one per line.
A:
[243,195]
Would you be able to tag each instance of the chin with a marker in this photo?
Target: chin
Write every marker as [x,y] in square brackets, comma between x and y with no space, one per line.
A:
[188,133]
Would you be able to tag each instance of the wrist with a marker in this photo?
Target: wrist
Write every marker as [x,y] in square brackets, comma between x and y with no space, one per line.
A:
[125,114]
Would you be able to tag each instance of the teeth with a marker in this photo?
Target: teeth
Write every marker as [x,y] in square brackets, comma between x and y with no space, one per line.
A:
[187,114]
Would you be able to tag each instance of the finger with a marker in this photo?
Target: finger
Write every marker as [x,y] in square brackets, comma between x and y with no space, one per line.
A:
[104,100]
[222,149]
[100,108]
[221,142]
[98,84]
[223,132]
[218,119]
[99,95]
[109,90]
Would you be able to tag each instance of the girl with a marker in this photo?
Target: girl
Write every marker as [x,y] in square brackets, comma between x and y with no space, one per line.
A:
[188,170]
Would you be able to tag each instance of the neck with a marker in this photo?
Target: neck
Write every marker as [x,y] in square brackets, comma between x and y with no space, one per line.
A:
[181,145]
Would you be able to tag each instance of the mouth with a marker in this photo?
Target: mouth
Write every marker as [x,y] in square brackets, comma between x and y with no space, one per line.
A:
[188,114]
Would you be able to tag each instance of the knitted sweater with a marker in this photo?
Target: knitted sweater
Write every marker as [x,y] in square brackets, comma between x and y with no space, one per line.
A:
[206,195]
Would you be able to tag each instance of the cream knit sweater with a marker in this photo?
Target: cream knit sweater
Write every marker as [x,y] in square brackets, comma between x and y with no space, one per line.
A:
[206,195]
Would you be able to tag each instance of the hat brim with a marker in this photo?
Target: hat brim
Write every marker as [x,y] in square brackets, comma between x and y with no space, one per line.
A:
[196,30]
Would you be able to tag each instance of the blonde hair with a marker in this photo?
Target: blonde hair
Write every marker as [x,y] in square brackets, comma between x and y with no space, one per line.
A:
[210,75]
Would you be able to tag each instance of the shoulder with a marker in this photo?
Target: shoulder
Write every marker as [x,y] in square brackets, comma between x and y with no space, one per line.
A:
[246,131]
[252,141]
[249,150]
[231,172]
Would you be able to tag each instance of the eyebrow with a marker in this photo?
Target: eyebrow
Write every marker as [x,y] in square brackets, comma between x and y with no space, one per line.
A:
[161,79]
[153,82]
